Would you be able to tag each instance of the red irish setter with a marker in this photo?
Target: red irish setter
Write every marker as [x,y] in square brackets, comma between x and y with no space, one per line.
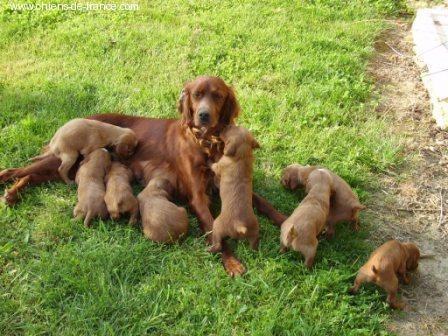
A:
[180,150]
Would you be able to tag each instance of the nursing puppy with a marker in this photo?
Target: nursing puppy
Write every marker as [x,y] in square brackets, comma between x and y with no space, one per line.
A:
[119,197]
[162,220]
[234,173]
[388,264]
[344,204]
[91,188]
[299,232]
[82,136]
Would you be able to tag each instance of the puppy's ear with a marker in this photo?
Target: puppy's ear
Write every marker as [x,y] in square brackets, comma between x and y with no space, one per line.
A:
[292,234]
[413,256]
[184,106]
[230,147]
[166,185]
[230,109]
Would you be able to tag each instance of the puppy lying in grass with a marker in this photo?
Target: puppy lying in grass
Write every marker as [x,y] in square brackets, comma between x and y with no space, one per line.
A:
[299,232]
[91,188]
[162,220]
[234,175]
[82,136]
[119,197]
[344,204]
[388,264]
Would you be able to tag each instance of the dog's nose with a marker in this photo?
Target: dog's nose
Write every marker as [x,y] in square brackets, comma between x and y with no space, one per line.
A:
[204,116]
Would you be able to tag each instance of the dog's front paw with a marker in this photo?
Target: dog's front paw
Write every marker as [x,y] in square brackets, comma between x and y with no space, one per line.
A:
[9,198]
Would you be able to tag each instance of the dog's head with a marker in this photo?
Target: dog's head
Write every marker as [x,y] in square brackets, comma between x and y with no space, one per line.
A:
[413,256]
[207,102]
[126,144]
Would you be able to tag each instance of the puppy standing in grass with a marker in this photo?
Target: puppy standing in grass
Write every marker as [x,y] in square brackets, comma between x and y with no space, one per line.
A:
[388,264]
[119,197]
[162,220]
[82,136]
[299,232]
[344,204]
[91,188]
[234,173]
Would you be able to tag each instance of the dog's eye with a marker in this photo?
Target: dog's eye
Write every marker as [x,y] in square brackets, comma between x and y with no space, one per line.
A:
[197,94]
[216,96]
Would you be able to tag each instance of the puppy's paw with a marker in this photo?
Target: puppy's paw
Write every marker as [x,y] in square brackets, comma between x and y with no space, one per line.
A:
[234,267]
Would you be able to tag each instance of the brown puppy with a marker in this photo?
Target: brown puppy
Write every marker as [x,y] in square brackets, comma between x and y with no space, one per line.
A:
[119,197]
[162,220]
[299,232]
[344,204]
[91,188]
[386,265]
[234,173]
[82,136]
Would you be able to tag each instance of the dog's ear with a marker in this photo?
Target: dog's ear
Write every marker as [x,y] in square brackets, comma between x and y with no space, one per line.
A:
[230,109]
[292,234]
[230,147]
[184,106]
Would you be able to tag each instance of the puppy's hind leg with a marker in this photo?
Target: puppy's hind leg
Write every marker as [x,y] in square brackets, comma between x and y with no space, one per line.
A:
[216,242]
[392,288]
[329,232]
[254,241]
[68,160]
[88,219]
[134,214]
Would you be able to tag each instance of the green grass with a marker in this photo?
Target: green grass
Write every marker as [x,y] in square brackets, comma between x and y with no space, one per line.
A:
[299,69]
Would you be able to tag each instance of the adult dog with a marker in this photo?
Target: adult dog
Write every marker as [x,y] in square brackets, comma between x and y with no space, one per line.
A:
[179,150]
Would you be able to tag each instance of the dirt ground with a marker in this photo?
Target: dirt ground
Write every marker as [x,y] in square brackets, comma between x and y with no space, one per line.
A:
[413,201]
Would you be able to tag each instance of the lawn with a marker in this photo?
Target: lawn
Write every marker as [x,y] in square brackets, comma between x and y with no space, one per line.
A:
[299,69]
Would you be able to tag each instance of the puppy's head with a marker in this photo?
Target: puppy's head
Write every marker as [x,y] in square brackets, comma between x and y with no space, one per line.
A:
[413,256]
[296,176]
[161,185]
[126,144]
[238,141]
